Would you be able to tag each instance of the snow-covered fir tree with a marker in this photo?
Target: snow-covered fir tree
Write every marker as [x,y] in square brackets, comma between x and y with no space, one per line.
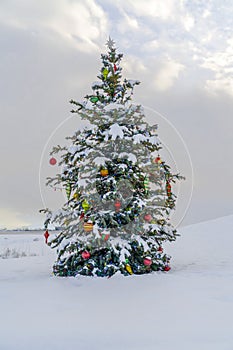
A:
[119,193]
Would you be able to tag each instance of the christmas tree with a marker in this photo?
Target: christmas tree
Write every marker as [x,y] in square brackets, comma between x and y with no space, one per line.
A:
[119,194]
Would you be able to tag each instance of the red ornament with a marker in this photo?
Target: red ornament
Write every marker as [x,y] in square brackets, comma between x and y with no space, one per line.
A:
[46,236]
[81,216]
[52,161]
[117,205]
[86,255]
[160,249]
[105,237]
[115,67]
[169,189]
[158,160]
[147,261]
[148,217]
[167,268]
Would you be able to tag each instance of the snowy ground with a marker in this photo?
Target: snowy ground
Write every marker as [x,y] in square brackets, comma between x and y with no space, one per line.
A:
[188,308]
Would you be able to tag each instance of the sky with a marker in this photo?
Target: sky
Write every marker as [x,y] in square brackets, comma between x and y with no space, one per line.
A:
[181,51]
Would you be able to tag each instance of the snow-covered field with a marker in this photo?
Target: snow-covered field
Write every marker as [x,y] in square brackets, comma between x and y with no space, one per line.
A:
[188,308]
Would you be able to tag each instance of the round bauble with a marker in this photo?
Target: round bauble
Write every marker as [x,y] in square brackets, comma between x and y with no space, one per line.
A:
[158,160]
[104,172]
[52,161]
[167,268]
[117,205]
[148,217]
[147,261]
[85,255]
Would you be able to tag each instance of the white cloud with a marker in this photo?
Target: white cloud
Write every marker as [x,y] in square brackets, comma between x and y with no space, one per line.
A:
[188,22]
[167,75]
[85,21]
[127,22]
[206,13]
[220,84]
[163,9]
[221,64]
[132,65]
[151,46]
[82,23]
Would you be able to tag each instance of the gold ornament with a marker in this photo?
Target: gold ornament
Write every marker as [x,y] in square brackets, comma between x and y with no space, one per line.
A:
[88,226]
[104,172]
[76,195]
[128,269]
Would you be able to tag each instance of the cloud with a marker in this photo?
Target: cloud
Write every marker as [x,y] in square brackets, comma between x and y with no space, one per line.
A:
[221,64]
[132,65]
[163,9]
[167,75]
[127,22]
[81,23]
[10,219]
[188,22]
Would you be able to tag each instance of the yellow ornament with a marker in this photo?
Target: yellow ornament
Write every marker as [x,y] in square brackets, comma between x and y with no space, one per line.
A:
[85,205]
[76,195]
[104,172]
[128,269]
[88,226]
[105,73]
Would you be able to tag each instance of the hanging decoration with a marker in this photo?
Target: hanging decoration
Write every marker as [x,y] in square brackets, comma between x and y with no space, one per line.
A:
[160,250]
[104,172]
[158,160]
[68,190]
[94,99]
[148,217]
[167,268]
[169,189]
[46,236]
[76,195]
[146,184]
[129,269]
[85,205]
[105,237]
[117,205]
[88,226]
[52,161]
[85,255]
[105,73]
[147,261]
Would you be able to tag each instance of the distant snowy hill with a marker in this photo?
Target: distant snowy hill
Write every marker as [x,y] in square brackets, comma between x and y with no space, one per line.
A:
[188,308]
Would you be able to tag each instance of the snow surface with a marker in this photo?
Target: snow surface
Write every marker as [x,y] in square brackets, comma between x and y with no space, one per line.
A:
[190,307]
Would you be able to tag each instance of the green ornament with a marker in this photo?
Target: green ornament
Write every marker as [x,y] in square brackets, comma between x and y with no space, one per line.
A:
[126,260]
[94,99]
[146,184]
[85,205]
[105,73]
[68,190]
